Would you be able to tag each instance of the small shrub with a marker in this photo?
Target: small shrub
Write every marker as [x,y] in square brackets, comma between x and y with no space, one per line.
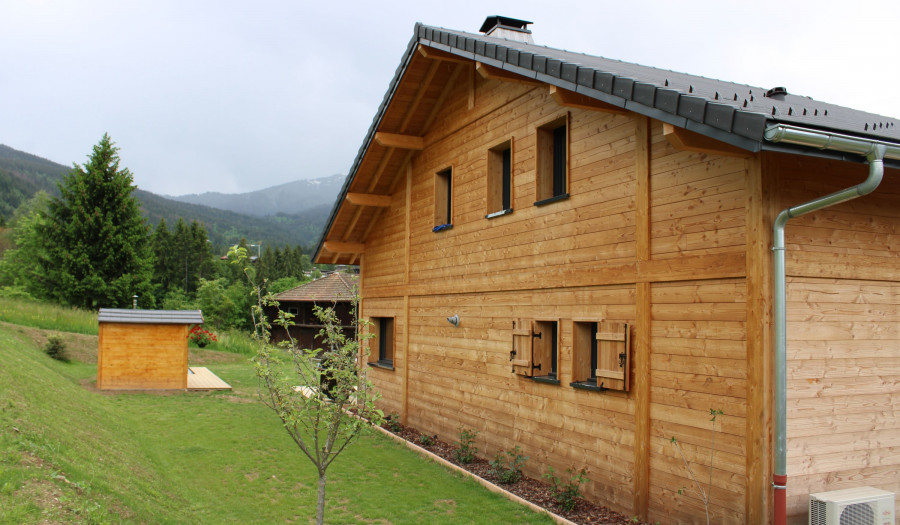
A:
[426,441]
[508,470]
[201,337]
[392,423]
[56,348]
[566,493]
[467,450]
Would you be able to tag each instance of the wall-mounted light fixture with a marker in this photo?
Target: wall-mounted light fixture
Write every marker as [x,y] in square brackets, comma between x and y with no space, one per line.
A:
[454,320]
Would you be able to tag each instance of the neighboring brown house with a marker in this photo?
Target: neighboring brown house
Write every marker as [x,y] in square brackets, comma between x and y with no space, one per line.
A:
[144,349]
[604,233]
[335,290]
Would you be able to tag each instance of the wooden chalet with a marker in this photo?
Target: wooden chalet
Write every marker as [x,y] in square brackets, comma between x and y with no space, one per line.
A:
[336,290]
[575,255]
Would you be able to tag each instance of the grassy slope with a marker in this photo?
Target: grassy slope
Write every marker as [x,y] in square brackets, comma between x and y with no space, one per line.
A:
[71,453]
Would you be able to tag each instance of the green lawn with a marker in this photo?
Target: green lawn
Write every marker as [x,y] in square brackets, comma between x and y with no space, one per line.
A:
[69,453]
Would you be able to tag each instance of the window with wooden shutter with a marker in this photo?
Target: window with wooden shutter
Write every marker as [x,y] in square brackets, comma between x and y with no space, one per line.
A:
[522,345]
[545,351]
[613,359]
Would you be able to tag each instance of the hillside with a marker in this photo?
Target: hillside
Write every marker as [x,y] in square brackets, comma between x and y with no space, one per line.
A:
[23,174]
[70,454]
[290,199]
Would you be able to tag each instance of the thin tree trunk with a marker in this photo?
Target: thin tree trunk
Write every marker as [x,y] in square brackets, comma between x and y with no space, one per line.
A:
[320,506]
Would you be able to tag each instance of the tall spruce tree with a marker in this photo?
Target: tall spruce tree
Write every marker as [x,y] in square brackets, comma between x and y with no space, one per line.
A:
[98,243]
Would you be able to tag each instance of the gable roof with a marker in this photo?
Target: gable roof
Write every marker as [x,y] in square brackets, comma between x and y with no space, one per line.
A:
[335,287]
[122,315]
[736,114]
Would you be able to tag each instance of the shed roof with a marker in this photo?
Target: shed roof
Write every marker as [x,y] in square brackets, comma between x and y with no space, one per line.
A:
[122,315]
[737,114]
[335,287]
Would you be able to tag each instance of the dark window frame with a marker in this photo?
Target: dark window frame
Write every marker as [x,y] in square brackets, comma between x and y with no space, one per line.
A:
[499,180]
[552,161]
[443,199]
[384,341]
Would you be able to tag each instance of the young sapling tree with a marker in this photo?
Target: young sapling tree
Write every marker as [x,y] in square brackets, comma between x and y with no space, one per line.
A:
[321,395]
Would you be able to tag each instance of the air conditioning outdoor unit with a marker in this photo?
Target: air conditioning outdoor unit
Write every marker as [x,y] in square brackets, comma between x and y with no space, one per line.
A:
[856,506]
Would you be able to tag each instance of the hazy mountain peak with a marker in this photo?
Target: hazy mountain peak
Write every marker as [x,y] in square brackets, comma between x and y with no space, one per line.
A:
[289,198]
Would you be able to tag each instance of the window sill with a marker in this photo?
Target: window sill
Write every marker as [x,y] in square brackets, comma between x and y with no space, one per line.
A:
[442,227]
[386,365]
[552,199]
[584,385]
[500,213]
[550,380]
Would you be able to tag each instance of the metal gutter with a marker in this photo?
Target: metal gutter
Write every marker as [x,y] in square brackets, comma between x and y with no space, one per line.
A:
[875,152]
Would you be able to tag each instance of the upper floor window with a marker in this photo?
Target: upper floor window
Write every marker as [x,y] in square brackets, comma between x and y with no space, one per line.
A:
[499,180]
[552,155]
[443,199]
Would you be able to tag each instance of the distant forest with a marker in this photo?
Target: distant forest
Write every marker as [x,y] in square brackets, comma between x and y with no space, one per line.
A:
[22,175]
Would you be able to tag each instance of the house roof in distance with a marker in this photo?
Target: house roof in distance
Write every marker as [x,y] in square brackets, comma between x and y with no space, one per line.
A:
[122,315]
[334,287]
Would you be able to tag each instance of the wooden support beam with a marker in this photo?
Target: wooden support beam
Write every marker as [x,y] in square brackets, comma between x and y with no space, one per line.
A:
[396,140]
[571,99]
[437,54]
[344,247]
[368,199]
[689,141]
[492,73]
[448,86]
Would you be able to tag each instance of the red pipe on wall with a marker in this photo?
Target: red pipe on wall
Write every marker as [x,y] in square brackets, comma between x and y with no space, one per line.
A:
[780,483]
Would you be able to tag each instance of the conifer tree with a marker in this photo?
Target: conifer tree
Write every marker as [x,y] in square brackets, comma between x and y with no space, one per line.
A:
[98,243]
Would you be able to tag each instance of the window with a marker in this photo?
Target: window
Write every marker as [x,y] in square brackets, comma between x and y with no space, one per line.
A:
[535,351]
[601,356]
[499,180]
[383,342]
[443,200]
[552,162]
[545,355]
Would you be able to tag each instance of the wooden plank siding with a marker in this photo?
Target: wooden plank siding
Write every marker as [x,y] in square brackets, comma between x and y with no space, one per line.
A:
[572,260]
[843,328]
[142,356]
[676,244]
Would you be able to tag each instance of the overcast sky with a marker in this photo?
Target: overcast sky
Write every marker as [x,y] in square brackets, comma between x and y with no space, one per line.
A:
[220,95]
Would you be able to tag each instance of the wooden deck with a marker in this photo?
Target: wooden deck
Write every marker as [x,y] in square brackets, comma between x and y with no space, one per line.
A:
[200,378]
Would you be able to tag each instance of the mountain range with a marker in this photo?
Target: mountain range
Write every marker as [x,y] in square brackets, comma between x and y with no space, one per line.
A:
[290,198]
[292,213]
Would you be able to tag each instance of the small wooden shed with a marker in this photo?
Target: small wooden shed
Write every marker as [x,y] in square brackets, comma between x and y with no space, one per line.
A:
[144,349]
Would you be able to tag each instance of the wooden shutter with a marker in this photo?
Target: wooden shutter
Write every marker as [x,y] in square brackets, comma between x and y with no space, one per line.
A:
[613,360]
[522,346]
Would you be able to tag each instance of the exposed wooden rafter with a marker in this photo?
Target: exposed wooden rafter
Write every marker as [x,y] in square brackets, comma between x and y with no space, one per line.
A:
[396,140]
[493,73]
[369,199]
[437,54]
[344,247]
[571,99]
[689,141]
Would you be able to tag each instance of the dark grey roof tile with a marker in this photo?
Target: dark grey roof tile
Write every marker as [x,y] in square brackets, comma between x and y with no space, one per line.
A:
[667,100]
[692,107]
[719,116]
[644,93]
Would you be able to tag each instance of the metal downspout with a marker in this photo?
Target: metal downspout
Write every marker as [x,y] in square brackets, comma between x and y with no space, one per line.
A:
[875,153]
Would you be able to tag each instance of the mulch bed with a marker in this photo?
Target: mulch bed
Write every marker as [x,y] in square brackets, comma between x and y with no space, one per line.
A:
[535,491]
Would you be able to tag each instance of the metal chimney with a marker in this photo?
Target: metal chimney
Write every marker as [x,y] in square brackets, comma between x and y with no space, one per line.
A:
[507,28]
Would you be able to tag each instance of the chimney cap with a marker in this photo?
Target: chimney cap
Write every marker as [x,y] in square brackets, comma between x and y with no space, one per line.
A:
[510,23]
